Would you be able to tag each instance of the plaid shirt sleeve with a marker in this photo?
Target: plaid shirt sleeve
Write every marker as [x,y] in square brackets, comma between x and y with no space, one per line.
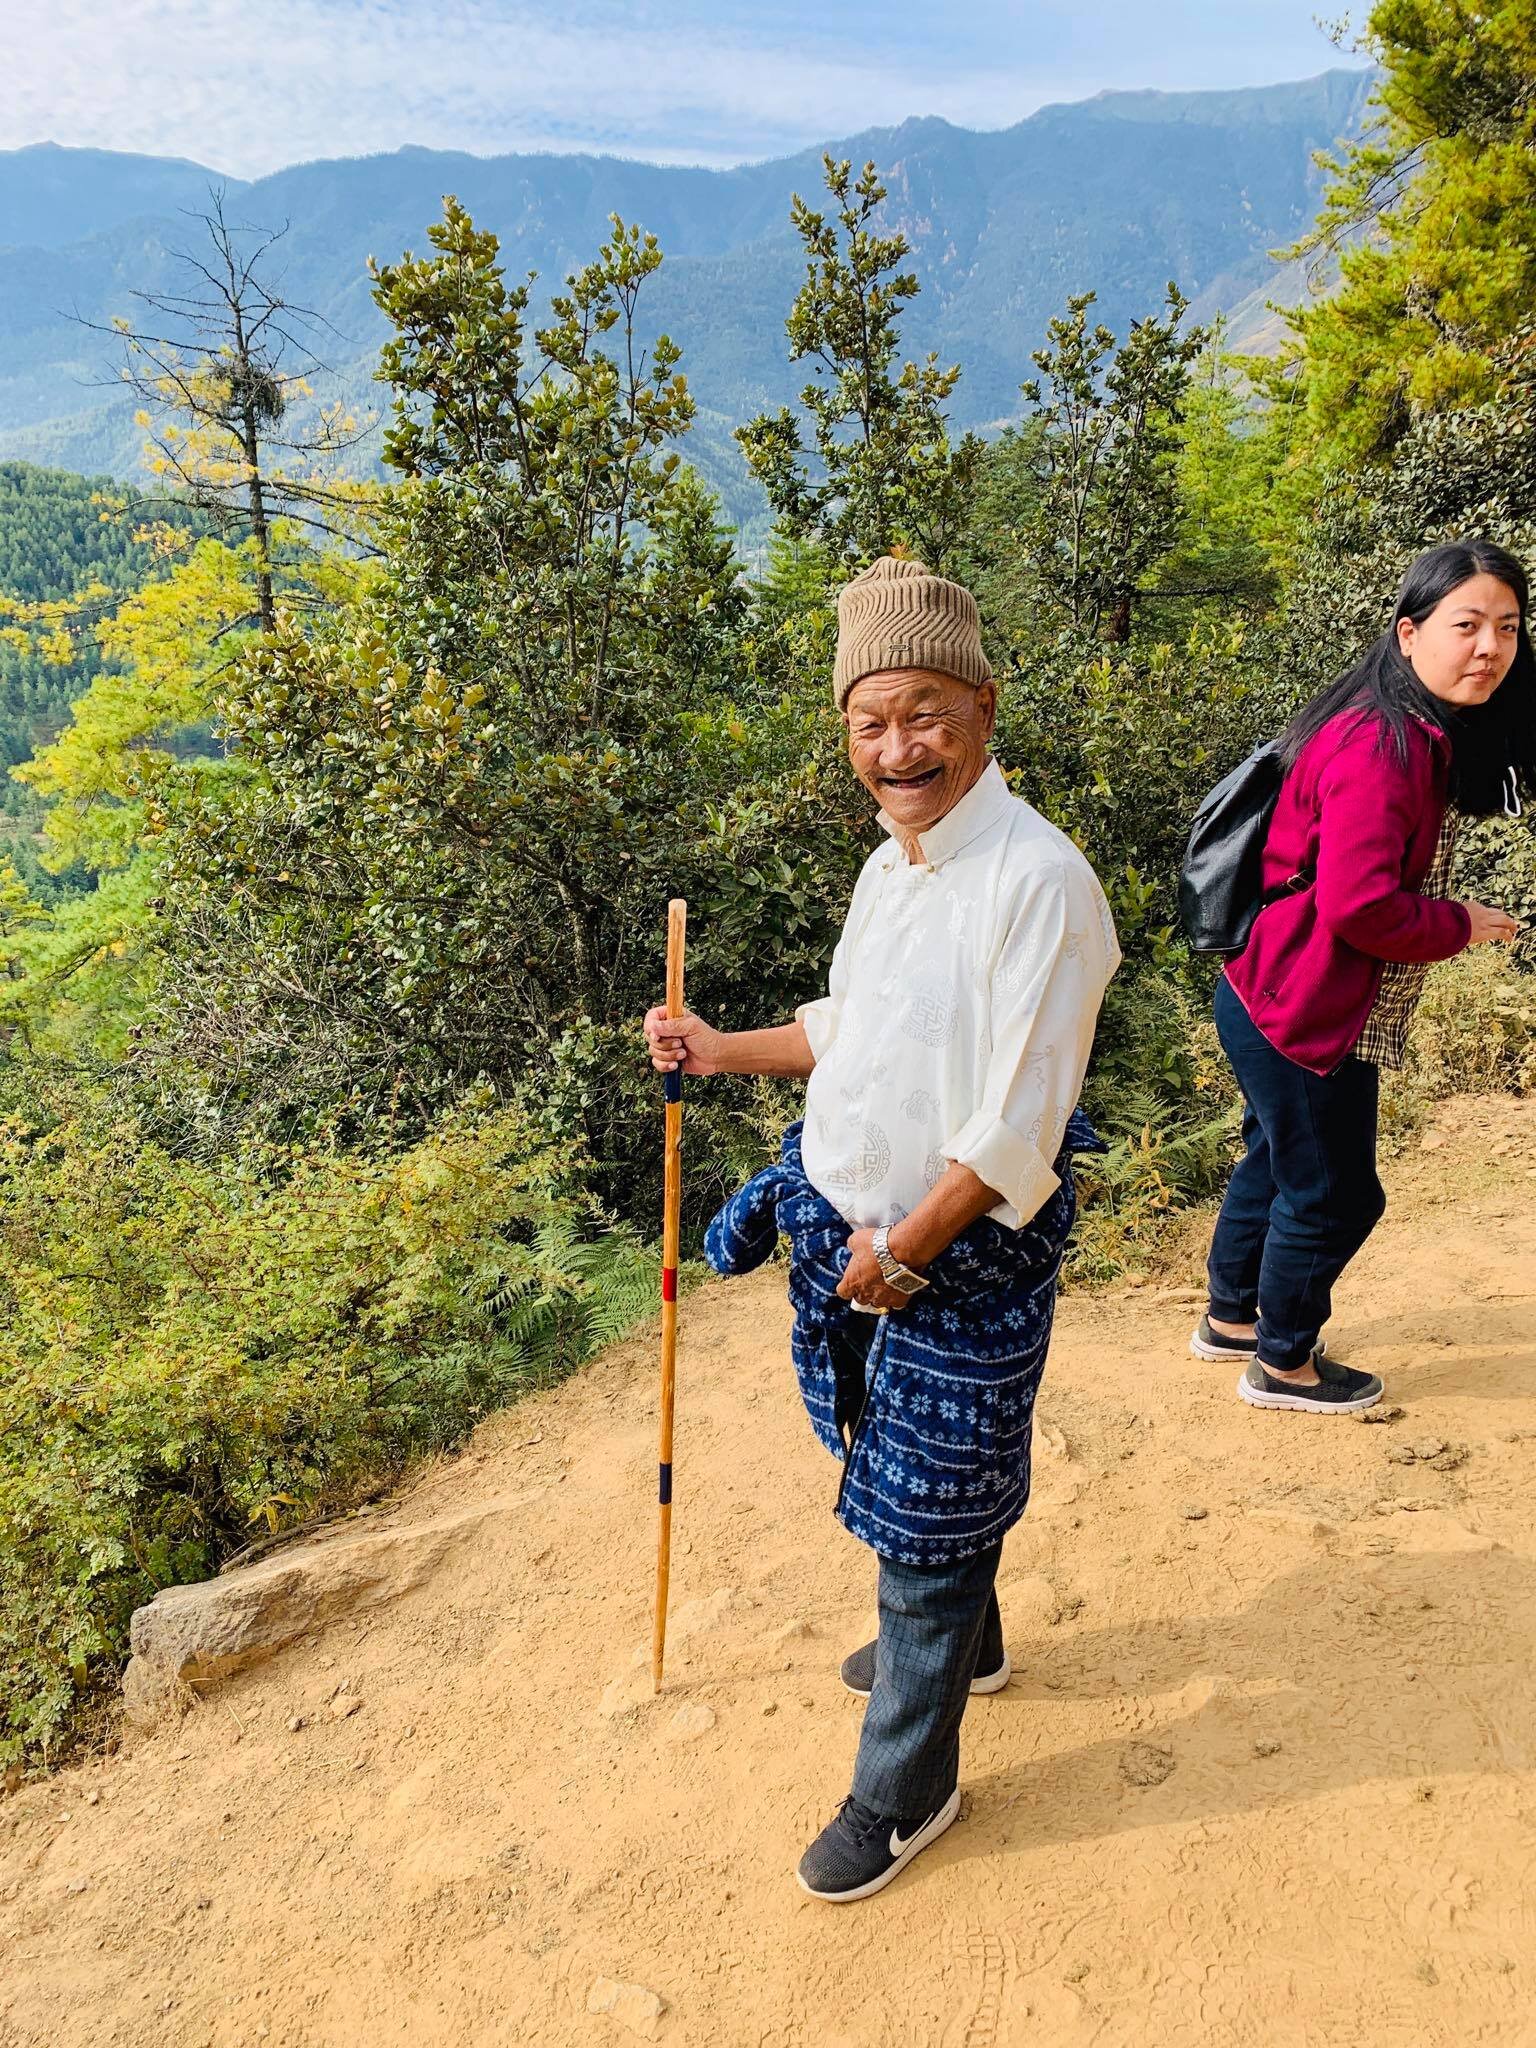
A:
[1384,1041]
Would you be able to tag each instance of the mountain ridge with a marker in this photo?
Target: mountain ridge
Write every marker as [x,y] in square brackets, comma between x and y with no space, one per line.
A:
[1115,194]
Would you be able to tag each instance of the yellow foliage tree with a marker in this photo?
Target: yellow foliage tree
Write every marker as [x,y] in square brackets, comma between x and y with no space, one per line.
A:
[227,381]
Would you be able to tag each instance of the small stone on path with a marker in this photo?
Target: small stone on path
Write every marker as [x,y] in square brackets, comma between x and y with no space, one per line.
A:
[621,1694]
[1266,1746]
[690,1722]
[1193,1512]
[1380,1413]
[1145,1764]
[345,1703]
[630,2004]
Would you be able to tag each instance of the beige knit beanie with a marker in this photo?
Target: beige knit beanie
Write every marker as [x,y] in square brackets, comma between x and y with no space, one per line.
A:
[898,614]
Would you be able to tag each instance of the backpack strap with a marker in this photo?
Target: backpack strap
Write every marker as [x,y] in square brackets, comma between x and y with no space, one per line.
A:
[1302,879]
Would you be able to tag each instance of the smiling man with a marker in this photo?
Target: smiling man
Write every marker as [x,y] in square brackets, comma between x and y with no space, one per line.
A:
[928,1195]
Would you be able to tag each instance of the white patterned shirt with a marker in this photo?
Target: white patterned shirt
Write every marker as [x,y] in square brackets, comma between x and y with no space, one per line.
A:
[960,1013]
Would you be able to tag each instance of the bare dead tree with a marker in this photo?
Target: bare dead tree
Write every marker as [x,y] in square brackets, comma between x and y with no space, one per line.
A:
[222,372]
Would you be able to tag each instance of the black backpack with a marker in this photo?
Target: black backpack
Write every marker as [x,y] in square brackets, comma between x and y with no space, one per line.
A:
[1221,879]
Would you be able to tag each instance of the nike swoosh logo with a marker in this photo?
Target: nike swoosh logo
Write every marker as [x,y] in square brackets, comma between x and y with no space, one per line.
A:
[900,1847]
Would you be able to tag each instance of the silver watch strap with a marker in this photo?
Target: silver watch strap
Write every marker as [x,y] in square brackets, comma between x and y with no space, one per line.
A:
[896,1275]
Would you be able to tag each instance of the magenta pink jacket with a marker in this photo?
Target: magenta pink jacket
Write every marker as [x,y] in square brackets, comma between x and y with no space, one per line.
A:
[1366,827]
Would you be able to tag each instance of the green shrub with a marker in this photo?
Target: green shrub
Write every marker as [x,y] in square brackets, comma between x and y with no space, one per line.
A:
[1161,1093]
[194,1353]
[1475,1034]
[1496,863]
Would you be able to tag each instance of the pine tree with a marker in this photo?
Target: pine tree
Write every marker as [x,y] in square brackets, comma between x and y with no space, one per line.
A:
[1433,217]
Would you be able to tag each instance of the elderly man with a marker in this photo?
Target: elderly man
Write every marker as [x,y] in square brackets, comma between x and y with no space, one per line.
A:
[927,1197]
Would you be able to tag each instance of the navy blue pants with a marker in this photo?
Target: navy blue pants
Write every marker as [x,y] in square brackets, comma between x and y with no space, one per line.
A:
[1304,1197]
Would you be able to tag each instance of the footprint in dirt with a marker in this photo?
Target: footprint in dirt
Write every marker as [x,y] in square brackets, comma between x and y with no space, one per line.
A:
[980,1963]
[982,1979]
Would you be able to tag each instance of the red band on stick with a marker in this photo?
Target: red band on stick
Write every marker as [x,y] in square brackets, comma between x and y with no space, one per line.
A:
[669,1283]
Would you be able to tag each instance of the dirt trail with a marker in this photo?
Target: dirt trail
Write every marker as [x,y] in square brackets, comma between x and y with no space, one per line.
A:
[1267,1772]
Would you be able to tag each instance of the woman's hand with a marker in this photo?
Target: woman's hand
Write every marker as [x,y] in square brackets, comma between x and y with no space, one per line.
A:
[1491,927]
[863,1280]
[686,1042]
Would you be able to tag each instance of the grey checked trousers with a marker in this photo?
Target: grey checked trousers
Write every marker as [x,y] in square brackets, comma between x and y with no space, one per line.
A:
[938,1625]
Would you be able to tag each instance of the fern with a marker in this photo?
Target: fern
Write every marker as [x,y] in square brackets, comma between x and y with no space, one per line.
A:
[579,1291]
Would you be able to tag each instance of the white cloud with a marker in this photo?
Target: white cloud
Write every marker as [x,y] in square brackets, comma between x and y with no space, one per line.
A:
[247,89]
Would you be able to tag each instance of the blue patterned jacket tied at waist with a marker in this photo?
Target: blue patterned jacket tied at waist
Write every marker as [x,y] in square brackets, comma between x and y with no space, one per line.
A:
[936,1466]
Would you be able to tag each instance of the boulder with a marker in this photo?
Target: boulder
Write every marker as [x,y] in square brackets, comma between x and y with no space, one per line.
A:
[195,1635]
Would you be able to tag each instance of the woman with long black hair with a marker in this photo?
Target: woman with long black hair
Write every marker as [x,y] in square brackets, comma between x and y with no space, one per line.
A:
[1436,722]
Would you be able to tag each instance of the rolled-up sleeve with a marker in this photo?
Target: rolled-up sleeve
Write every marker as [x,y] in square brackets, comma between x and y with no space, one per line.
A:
[819,1022]
[1055,962]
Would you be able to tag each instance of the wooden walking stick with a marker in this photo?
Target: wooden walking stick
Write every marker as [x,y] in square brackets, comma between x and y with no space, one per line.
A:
[671,1210]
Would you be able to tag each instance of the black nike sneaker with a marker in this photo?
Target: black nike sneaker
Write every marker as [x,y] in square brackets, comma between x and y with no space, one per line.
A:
[859,1852]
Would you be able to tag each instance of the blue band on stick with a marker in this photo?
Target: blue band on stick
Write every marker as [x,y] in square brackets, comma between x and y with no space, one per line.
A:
[666,1486]
[674,1082]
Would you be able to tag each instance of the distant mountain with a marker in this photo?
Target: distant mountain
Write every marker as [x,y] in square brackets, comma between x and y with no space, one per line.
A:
[1116,194]
[50,196]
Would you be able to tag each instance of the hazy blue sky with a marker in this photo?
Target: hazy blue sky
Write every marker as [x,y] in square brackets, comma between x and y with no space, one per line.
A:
[248,85]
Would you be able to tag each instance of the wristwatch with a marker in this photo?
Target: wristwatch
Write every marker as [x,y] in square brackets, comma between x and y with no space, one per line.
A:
[895,1274]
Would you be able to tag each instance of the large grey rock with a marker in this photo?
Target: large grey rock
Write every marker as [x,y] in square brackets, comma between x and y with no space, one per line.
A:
[196,1635]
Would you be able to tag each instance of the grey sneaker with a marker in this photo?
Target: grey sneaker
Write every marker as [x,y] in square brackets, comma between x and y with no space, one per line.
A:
[858,1670]
[1340,1390]
[858,1852]
[1209,1343]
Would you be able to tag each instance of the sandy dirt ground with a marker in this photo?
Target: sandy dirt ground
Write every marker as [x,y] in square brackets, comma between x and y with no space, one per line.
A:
[1266,1772]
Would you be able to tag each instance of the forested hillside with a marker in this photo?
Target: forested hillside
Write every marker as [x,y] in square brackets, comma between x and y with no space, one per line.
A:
[60,536]
[1115,194]
[324,1120]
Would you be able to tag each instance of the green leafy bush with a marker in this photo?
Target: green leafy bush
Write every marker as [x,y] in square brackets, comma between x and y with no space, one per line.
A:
[1475,1034]
[192,1353]
[1163,1096]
